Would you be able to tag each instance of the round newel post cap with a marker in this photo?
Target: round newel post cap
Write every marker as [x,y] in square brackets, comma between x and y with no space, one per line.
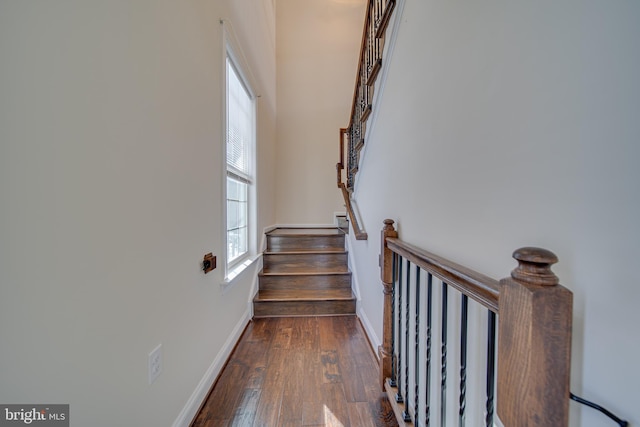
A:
[534,266]
[388,224]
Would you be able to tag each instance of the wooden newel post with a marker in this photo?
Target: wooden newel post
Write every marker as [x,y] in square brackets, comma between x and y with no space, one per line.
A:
[534,343]
[386,275]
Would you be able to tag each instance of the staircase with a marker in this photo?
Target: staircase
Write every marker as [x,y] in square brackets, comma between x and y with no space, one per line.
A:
[305,273]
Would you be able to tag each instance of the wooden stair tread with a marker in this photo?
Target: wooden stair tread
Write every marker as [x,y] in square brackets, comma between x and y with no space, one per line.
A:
[334,270]
[305,231]
[310,251]
[297,262]
[305,240]
[305,295]
[304,273]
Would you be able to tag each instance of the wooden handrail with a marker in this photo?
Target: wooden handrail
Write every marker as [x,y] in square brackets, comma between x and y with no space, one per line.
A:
[477,286]
[359,232]
[534,328]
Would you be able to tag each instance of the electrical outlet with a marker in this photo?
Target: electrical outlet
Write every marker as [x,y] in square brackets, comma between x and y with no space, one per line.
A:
[155,363]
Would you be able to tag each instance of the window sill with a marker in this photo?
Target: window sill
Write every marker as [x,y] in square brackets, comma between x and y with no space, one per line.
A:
[236,272]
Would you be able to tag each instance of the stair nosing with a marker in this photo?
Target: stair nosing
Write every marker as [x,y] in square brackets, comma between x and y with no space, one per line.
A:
[311,252]
[305,299]
[331,233]
[301,300]
[305,273]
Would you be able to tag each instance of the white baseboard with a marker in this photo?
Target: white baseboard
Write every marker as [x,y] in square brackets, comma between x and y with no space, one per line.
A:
[368,329]
[193,404]
[355,285]
[337,215]
[263,237]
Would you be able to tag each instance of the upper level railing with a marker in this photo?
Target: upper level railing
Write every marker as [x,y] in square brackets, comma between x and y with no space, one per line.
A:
[376,22]
[375,25]
[358,231]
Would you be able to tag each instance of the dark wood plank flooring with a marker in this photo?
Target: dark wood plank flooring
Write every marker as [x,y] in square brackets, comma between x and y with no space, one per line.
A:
[299,371]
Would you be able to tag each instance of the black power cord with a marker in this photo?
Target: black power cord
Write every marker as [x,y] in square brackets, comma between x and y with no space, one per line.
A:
[621,423]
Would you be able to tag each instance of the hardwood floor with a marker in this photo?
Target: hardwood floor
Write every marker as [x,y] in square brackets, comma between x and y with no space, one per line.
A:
[299,371]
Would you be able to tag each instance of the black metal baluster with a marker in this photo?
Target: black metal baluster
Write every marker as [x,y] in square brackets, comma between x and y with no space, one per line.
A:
[363,93]
[405,414]
[491,360]
[399,398]
[350,157]
[463,361]
[394,267]
[370,38]
[443,358]
[378,14]
[374,14]
[369,44]
[372,46]
[427,419]
[417,348]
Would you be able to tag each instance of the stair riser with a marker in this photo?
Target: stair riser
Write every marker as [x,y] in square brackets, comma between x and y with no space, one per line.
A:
[333,281]
[303,308]
[312,263]
[302,243]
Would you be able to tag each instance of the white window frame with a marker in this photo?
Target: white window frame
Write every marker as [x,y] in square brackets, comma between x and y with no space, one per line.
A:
[237,265]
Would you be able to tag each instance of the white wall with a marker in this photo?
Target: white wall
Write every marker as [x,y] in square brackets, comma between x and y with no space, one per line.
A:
[110,192]
[317,54]
[506,124]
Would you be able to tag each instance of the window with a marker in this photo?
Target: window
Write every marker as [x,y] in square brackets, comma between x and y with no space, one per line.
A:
[240,137]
